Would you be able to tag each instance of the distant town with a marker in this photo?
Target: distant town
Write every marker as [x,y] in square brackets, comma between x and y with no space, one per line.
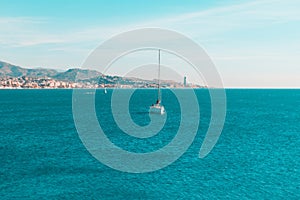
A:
[15,77]
[49,83]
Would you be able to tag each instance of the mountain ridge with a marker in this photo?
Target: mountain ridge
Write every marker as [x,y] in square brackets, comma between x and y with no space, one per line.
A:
[73,74]
[8,70]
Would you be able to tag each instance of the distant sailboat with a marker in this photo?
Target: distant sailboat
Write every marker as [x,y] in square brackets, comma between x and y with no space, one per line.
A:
[104,91]
[158,108]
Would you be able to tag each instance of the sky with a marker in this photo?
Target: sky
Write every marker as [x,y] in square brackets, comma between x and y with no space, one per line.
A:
[253,44]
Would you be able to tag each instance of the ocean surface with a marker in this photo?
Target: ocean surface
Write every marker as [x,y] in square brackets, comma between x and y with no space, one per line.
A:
[256,157]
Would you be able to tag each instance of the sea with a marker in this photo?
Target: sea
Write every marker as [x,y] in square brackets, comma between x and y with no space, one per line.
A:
[256,157]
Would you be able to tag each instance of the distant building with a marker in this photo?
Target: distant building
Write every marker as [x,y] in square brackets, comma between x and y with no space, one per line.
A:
[184,81]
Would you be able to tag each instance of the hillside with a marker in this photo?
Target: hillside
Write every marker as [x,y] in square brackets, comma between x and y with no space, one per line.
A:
[9,70]
[77,75]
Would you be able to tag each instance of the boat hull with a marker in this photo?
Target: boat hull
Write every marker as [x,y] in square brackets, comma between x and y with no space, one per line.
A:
[157,109]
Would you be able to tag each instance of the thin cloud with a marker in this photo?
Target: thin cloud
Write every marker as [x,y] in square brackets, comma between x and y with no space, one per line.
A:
[21,20]
[22,31]
[234,17]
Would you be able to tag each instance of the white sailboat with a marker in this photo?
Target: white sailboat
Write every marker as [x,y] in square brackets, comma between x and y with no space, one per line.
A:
[104,91]
[158,108]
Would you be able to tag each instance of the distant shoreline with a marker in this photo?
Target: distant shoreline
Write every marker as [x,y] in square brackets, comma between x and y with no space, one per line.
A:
[187,88]
[110,88]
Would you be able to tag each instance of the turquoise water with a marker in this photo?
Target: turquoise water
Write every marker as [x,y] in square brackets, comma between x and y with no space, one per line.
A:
[257,155]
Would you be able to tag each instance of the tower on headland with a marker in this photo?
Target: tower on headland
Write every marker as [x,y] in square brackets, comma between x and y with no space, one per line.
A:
[184,81]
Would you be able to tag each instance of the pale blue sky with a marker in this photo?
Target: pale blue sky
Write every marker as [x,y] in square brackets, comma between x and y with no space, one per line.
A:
[253,43]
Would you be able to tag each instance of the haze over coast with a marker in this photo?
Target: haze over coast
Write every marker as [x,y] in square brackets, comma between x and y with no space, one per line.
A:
[12,76]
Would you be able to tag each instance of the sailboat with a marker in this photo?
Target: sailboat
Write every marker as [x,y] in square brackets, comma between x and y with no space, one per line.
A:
[104,91]
[158,108]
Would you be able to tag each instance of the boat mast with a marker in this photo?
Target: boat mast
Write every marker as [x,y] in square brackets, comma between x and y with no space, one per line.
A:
[158,85]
